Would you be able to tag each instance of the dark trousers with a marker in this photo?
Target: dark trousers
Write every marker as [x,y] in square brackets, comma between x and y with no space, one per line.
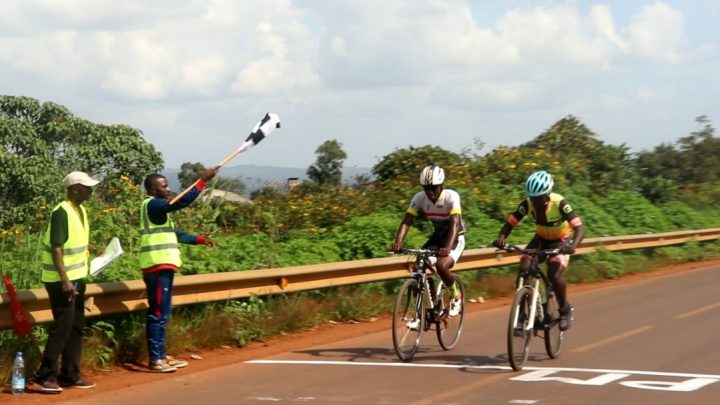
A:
[65,336]
[159,286]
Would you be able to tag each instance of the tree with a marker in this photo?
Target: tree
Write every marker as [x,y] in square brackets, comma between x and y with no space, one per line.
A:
[406,164]
[700,154]
[694,160]
[327,169]
[190,172]
[41,143]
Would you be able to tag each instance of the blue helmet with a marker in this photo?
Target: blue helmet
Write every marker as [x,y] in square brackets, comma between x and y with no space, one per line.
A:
[539,183]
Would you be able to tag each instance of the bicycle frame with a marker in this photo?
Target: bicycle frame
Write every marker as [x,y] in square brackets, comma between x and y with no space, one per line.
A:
[533,304]
[420,273]
[424,301]
[531,279]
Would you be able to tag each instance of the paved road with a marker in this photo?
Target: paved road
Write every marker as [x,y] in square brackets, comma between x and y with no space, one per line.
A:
[653,341]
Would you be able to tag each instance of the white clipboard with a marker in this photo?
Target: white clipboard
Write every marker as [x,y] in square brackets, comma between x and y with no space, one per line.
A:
[112,252]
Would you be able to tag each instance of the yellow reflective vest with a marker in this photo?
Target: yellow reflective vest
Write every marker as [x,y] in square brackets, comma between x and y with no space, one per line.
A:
[158,243]
[75,249]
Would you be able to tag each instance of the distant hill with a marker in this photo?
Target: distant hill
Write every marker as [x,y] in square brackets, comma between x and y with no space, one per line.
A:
[256,177]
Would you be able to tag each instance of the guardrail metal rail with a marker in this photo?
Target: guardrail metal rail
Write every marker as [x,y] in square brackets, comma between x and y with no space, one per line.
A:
[128,296]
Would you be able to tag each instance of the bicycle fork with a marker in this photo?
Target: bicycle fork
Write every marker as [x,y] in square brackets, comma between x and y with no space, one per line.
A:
[534,301]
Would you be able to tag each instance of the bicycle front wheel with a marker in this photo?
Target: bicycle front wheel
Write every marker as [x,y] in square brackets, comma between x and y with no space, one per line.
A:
[449,325]
[408,320]
[518,335]
[554,337]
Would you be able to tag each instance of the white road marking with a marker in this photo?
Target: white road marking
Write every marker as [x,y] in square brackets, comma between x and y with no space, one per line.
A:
[468,366]
[697,311]
[523,401]
[613,338]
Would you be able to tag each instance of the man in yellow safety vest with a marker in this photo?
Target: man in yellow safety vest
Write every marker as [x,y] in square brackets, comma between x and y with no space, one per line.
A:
[64,268]
[160,259]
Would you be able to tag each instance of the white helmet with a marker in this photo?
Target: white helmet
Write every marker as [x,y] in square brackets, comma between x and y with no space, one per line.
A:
[432,176]
[539,183]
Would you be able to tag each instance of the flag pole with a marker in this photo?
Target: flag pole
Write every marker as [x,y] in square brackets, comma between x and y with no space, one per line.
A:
[261,130]
[187,190]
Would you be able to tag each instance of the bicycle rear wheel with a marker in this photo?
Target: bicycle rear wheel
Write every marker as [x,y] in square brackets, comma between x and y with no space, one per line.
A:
[408,319]
[554,337]
[518,336]
[449,327]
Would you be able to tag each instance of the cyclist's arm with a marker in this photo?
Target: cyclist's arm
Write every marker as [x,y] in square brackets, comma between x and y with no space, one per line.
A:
[575,222]
[512,220]
[402,231]
[578,235]
[452,235]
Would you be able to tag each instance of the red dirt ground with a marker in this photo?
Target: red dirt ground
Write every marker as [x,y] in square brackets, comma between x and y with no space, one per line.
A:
[131,375]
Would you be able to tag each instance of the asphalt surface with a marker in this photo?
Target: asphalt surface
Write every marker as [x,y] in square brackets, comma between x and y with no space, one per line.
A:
[649,342]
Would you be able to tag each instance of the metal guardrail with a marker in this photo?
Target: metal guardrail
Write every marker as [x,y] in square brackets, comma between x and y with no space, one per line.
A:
[128,296]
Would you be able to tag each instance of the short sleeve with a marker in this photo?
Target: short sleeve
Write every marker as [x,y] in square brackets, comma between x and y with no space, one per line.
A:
[58,227]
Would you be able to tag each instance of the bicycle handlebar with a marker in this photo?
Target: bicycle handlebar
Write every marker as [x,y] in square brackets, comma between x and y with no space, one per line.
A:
[427,252]
[531,252]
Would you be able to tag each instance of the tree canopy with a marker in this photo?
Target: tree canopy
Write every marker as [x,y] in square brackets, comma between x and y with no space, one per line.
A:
[327,169]
[190,172]
[407,163]
[41,143]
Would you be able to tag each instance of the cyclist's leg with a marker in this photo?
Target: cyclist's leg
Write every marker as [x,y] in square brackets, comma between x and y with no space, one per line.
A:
[445,264]
[556,269]
[455,253]
[455,289]
[440,264]
[525,259]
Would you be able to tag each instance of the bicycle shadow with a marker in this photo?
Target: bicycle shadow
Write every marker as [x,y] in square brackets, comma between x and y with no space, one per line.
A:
[351,354]
[424,355]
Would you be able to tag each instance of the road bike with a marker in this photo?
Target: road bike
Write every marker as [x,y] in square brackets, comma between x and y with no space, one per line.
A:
[534,308]
[423,303]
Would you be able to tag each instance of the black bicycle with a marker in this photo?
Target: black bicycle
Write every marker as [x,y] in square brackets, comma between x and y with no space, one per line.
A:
[424,302]
[533,309]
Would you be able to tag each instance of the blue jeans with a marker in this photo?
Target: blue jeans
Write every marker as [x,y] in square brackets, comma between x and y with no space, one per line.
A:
[159,292]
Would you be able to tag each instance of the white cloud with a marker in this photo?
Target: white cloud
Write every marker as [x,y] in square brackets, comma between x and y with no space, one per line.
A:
[274,75]
[658,32]
[179,67]
[601,20]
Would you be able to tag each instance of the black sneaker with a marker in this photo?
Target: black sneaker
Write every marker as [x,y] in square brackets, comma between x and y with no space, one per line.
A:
[566,317]
[46,387]
[80,383]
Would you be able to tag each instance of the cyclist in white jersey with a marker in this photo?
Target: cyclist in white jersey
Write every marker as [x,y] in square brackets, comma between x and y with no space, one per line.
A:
[442,207]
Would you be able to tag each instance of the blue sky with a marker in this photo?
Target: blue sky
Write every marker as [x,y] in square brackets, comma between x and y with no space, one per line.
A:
[195,76]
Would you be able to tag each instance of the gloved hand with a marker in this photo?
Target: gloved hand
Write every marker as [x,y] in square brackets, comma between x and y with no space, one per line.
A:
[499,242]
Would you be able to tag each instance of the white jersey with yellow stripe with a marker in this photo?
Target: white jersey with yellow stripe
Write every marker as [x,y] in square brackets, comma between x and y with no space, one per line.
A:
[439,212]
